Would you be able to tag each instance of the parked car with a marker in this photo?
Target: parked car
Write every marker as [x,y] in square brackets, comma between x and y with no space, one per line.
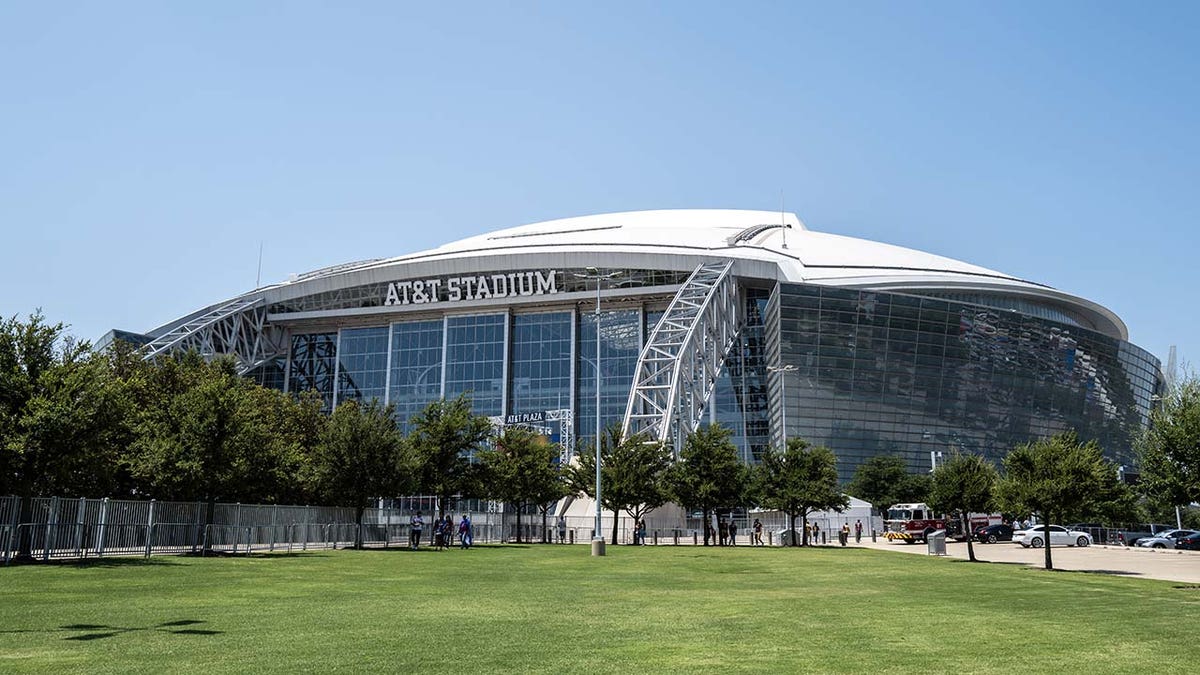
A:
[1166,539]
[1189,543]
[994,533]
[1145,530]
[1059,536]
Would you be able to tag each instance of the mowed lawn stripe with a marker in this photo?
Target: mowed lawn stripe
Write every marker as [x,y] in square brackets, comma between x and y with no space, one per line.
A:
[556,609]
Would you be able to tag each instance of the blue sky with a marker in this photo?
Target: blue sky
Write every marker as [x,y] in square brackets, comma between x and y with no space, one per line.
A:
[149,148]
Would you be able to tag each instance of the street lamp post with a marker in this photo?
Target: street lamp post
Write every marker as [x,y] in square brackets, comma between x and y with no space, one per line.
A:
[783,370]
[593,273]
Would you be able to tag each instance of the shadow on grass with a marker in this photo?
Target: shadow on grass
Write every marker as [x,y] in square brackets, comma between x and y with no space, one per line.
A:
[111,563]
[1119,573]
[988,562]
[171,627]
[87,632]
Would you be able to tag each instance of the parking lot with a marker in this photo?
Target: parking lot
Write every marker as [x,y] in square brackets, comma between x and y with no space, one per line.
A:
[1170,565]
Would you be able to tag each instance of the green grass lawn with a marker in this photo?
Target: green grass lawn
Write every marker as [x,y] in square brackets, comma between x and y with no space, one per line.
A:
[554,609]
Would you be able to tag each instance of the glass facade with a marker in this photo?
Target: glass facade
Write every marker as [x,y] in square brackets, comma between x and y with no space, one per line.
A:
[620,344]
[415,378]
[541,363]
[868,372]
[475,354]
[740,397]
[362,364]
[889,373]
[312,363]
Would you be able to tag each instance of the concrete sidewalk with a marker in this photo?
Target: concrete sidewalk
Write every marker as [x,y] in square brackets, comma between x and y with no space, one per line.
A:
[1149,563]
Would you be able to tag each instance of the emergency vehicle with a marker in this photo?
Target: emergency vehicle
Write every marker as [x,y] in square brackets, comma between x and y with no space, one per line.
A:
[913,522]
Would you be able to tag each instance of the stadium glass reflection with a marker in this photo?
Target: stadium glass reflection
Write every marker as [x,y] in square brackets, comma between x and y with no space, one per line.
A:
[875,372]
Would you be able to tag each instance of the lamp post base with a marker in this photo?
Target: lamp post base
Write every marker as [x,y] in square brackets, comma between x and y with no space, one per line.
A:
[598,546]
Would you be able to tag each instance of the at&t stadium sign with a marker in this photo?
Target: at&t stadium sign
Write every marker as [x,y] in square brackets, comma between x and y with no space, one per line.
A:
[474,287]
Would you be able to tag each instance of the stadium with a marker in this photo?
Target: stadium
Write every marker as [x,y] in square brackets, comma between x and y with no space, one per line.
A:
[744,318]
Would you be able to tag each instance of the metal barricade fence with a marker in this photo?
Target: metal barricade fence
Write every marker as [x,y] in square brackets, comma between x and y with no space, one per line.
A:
[76,528]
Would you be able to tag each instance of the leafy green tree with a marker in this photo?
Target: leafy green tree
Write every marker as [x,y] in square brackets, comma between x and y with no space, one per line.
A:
[884,480]
[632,471]
[521,470]
[285,432]
[361,457]
[63,416]
[192,444]
[709,474]
[799,480]
[1170,448]
[964,484]
[445,435]
[1056,478]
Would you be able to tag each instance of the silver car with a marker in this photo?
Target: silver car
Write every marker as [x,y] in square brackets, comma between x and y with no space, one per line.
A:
[1164,539]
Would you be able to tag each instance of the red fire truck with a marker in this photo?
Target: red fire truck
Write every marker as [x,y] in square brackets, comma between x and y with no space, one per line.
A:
[913,522]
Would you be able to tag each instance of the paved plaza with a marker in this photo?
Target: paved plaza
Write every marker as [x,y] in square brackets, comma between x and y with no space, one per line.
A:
[1169,565]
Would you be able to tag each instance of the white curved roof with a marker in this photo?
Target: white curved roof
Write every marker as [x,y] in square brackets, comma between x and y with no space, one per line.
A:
[765,244]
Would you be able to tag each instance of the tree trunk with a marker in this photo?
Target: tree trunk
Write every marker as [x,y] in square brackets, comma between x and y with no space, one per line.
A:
[966,523]
[358,517]
[1046,534]
[545,539]
[704,526]
[616,519]
[210,514]
[792,527]
[519,509]
[804,535]
[25,541]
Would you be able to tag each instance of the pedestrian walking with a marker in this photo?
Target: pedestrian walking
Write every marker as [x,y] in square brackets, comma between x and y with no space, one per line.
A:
[415,525]
[858,531]
[439,534]
[464,532]
[732,532]
[562,530]
[844,534]
[723,532]
[642,531]
[758,533]
[816,534]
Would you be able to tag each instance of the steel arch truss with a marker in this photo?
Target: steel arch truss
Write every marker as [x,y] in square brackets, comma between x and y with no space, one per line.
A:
[238,327]
[678,368]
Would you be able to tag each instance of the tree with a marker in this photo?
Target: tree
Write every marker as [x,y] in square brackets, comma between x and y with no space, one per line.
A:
[798,481]
[193,434]
[1056,478]
[444,437]
[964,484]
[63,416]
[884,480]
[1169,450]
[709,474]
[521,470]
[361,457]
[632,472]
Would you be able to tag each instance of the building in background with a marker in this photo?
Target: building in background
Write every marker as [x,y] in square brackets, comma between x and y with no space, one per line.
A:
[744,318]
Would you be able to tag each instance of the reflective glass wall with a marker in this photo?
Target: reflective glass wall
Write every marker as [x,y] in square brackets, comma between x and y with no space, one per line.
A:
[475,353]
[415,378]
[312,364]
[541,362]
[889,373]
[362,363]
[620,344]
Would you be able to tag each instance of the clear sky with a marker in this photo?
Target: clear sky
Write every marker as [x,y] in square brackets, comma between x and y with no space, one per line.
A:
[148,148]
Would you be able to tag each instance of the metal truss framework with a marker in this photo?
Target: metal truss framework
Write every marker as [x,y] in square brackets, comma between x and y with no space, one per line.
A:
[238,327]
[678,368]
[566,430]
